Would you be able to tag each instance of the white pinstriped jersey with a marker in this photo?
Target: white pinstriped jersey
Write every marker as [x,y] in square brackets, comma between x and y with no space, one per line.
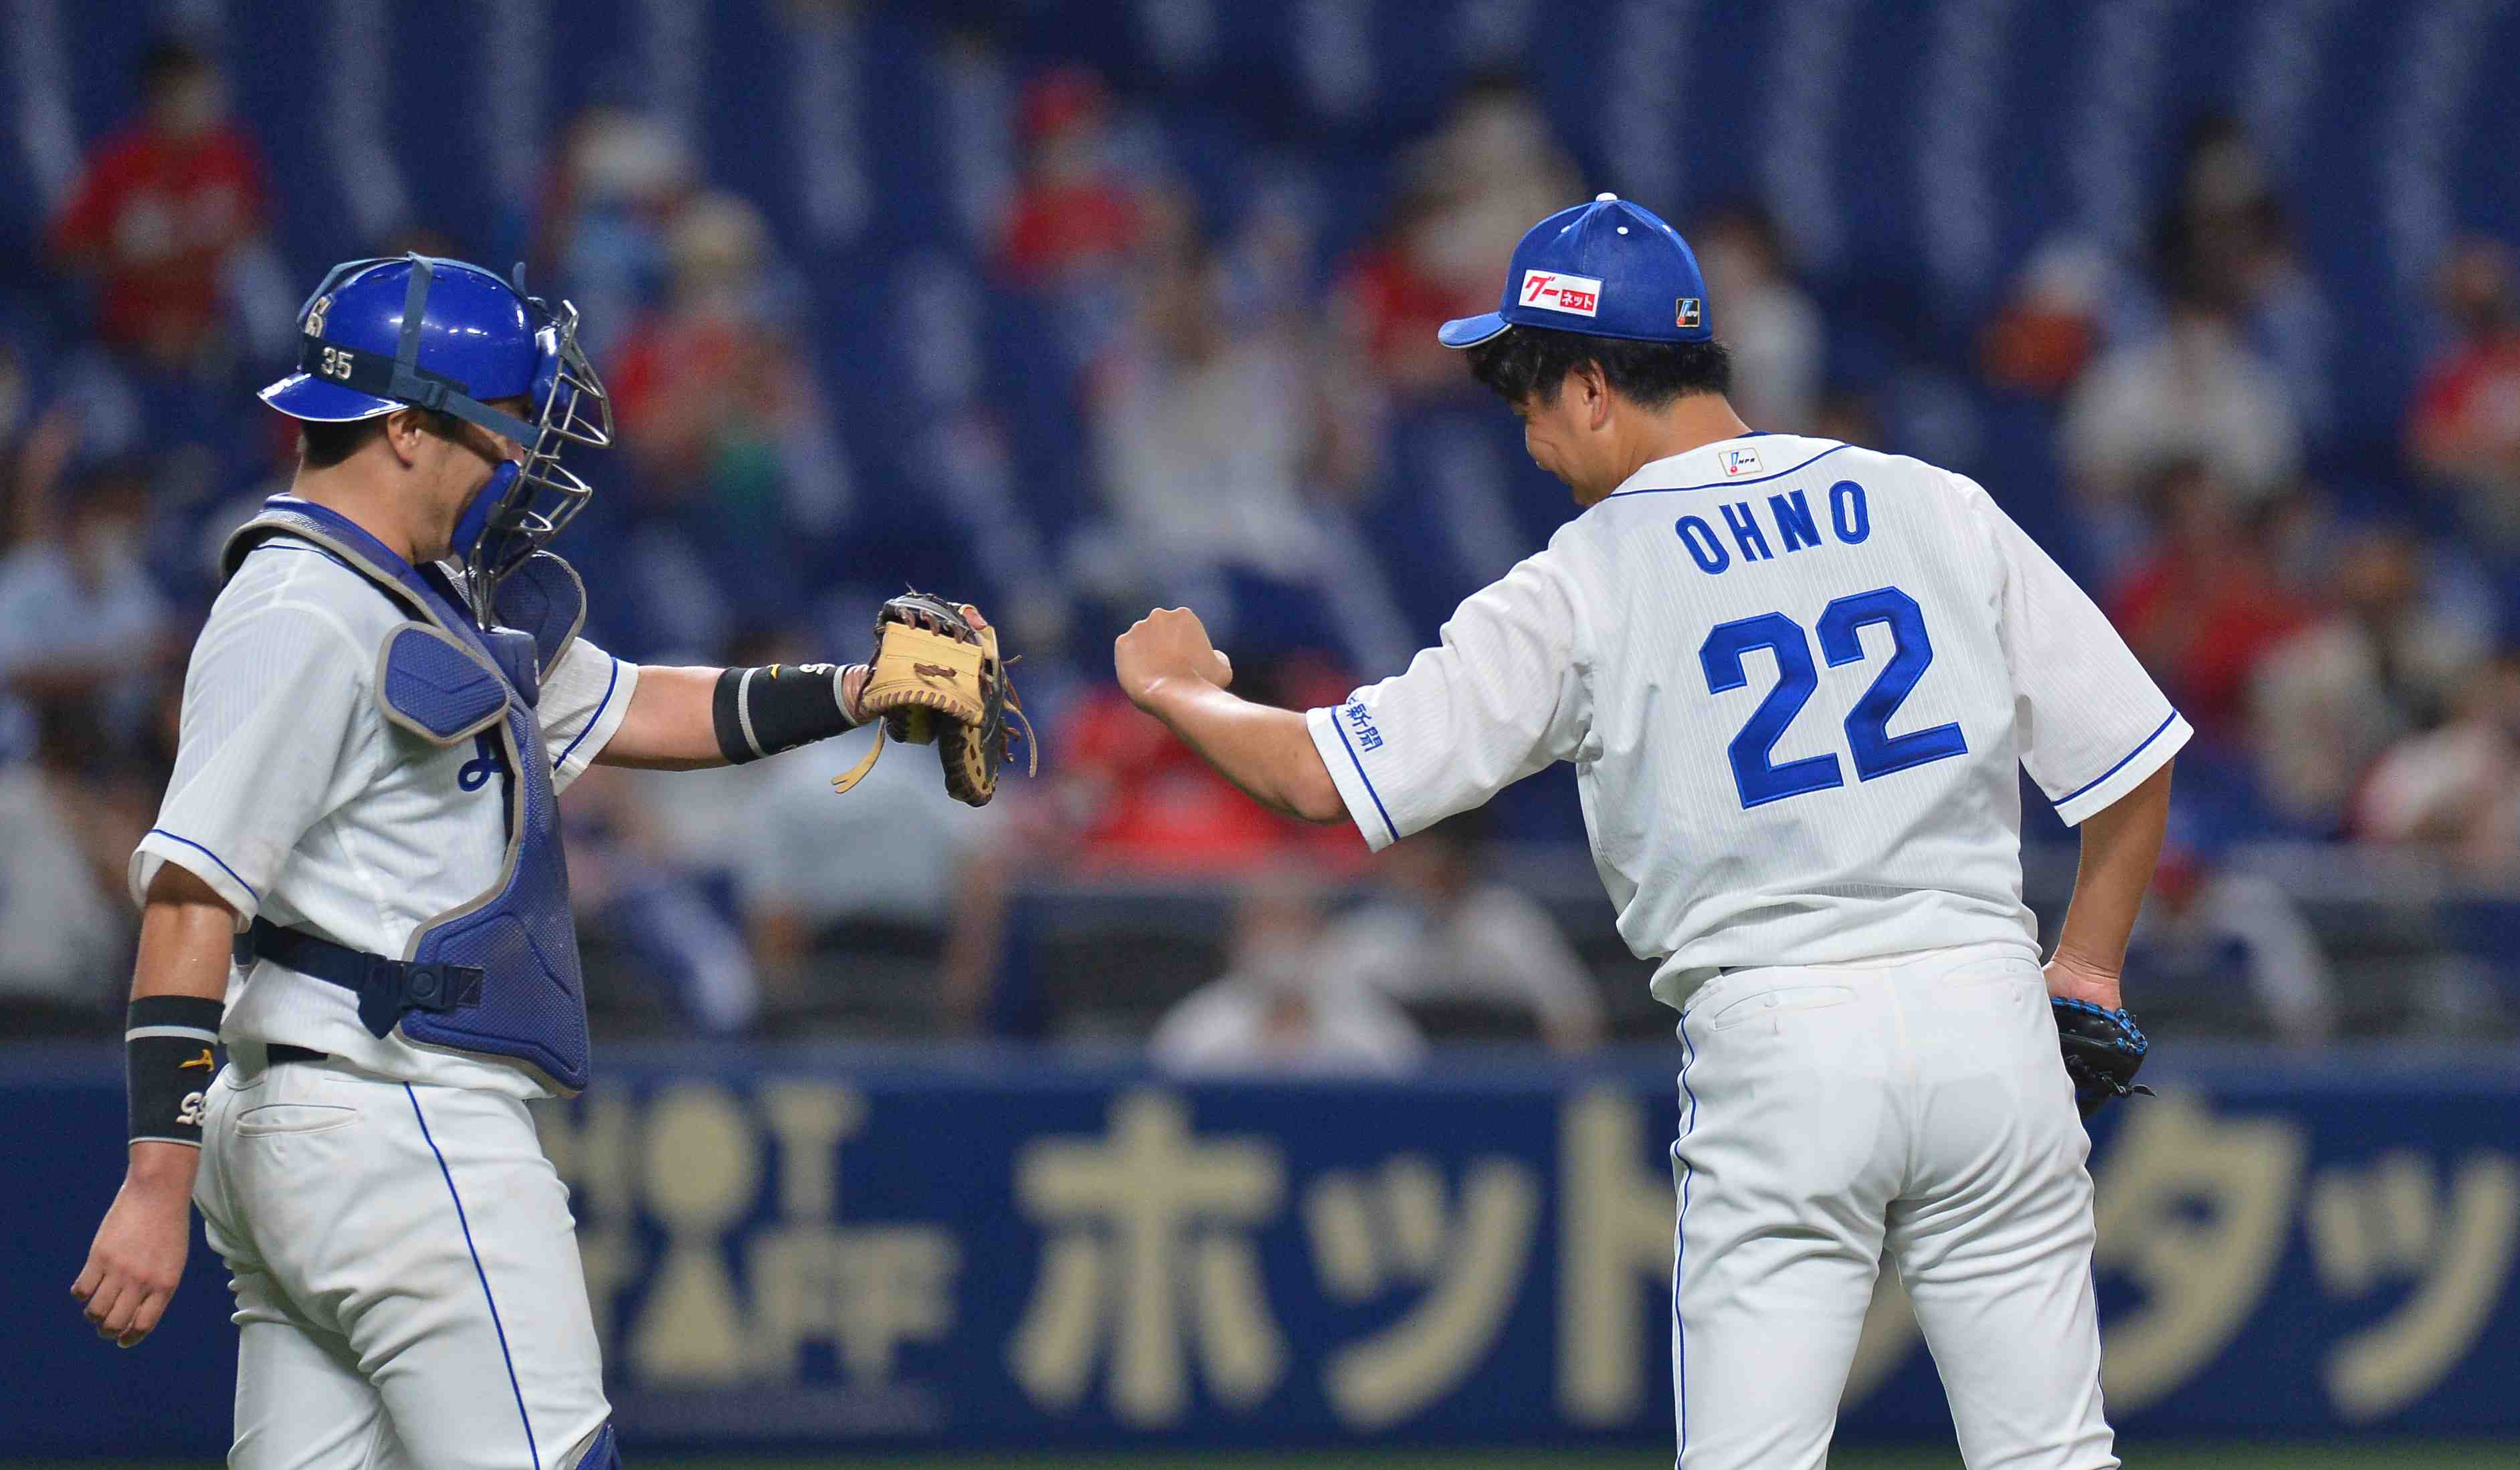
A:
[1795,678]
[296,799]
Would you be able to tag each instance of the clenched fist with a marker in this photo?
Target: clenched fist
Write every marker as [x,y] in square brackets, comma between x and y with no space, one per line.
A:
[1167,644]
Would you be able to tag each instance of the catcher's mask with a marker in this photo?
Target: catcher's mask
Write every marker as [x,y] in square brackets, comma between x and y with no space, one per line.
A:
[442,334]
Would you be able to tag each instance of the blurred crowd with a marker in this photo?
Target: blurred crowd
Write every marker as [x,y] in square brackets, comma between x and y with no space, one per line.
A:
[1249,416]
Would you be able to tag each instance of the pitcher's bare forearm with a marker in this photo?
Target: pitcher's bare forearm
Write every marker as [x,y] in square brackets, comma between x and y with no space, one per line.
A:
[1266,752]
[1168,668]
[2121,844]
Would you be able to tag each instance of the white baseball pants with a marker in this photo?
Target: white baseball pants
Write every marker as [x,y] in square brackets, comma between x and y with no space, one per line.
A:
[1915,1104]
[408,1290]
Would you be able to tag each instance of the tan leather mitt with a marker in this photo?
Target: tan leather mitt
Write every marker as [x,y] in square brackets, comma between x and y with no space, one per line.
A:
[936,679]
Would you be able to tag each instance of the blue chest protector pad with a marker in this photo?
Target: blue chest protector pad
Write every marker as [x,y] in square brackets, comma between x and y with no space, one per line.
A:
[441,678]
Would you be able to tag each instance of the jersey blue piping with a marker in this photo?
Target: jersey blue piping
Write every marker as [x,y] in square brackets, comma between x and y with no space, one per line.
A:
[601,705]
[496,1325]
[1722,484]
[2121,765]
[1680,1243]
[1390,826]
[160,831]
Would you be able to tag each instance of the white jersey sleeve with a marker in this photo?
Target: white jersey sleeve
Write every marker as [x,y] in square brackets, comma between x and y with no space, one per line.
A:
[278,729]
[2092,723]
[1501,697]
[584,697]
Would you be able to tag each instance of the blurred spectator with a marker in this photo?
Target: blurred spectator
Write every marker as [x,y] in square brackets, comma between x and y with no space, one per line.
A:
[1210,437]
[1467,195]
[160,207]
[619,179]
[1136,800]
[2222,950]
[2203,605]
[2456,789]
[898,876]
[631,892]
[1774,332]
[2194,392]
[79,617]
[1074,213]
[65,925]
[1275,1010]
[2329,697]
[2226,224]
[2464,428]
[2052,320]
[1444,937]
[723,412]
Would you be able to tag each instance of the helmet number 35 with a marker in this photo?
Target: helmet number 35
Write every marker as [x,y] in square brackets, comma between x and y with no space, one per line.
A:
[335,364]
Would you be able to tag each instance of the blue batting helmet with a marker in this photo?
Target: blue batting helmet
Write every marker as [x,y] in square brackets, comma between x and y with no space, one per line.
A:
[421,331]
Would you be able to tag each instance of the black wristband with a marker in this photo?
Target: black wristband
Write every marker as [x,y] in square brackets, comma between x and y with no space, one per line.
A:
[763,711]
[168,1066]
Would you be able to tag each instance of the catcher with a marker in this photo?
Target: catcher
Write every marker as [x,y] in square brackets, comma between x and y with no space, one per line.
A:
[389,696]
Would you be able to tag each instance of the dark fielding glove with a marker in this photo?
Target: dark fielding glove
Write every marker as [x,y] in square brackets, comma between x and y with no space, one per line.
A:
[936,679]
[2102,1050]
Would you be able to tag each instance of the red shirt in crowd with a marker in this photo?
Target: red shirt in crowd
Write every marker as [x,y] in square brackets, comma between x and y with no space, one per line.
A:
[2470,404]
[2202,631]
[156,215]
[1152,806]
[1059,228]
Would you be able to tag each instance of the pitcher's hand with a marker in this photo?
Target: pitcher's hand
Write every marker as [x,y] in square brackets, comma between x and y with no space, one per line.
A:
[1167,644]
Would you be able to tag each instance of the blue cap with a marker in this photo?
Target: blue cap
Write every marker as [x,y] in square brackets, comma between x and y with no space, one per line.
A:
[1608,268]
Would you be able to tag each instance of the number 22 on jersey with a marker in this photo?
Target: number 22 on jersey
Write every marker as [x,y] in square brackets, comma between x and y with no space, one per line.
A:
[1876,751]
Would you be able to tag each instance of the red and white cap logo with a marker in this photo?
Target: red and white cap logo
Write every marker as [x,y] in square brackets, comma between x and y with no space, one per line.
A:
[1556,290]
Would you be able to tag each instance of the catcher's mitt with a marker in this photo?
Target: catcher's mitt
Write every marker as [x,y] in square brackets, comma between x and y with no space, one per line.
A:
[2103,1050]
[936,679]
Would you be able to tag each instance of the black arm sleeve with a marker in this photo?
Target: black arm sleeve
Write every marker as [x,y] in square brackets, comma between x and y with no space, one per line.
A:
[763,711]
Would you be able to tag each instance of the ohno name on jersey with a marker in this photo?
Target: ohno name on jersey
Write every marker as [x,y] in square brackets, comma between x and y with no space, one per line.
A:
[1746,526]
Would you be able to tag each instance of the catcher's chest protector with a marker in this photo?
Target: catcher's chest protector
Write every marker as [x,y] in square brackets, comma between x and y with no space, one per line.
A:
[443,679]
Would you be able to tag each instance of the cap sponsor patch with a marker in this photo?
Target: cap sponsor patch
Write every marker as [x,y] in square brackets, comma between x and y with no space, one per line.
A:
[1689,312]
[1556,290]
[1740,461]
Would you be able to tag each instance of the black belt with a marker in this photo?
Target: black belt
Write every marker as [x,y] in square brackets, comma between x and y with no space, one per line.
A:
[282,1051]
[386,988]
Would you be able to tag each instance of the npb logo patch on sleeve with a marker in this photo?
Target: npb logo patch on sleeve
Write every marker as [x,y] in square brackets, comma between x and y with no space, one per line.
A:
[1553,290]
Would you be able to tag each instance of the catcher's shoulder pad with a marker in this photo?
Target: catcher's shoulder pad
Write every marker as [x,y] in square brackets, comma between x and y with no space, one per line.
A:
[544,596]
[434,687]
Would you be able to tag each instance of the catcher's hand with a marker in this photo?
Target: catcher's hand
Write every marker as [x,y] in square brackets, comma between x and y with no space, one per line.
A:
[936,678]
[2102,1048]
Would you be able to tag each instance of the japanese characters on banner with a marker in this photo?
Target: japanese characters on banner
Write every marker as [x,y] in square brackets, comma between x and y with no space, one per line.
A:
[885,1256]
[833,1255]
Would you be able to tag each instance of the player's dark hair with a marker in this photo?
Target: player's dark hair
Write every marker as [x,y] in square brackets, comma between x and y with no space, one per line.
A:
[1530,364]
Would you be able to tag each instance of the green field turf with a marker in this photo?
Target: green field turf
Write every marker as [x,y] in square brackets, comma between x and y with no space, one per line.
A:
[2381,1455]
[2259,1456]
[2372,1456]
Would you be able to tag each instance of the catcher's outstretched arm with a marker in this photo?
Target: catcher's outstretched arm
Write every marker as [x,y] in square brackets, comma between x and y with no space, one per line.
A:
[675,721]
[1168,668]
[2121,843]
